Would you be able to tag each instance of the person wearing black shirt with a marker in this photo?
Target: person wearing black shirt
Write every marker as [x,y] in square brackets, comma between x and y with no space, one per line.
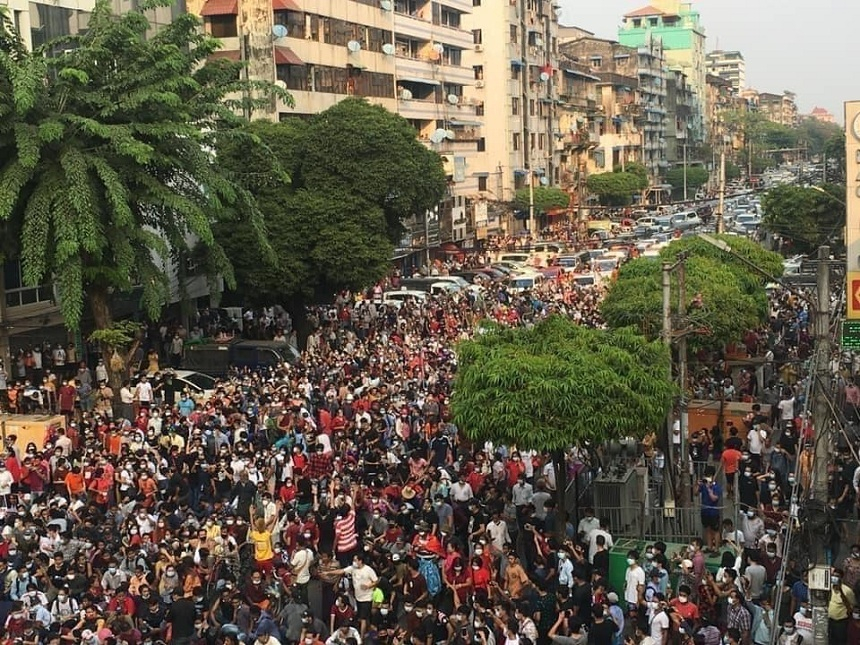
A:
[602,630]
[244,492]
[150,616]
[440,449]
[180,616]
[580,595]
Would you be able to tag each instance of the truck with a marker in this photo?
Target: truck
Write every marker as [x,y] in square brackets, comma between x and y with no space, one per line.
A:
[216,359]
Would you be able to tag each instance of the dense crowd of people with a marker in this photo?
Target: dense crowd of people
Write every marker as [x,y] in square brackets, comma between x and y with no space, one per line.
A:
[335,502]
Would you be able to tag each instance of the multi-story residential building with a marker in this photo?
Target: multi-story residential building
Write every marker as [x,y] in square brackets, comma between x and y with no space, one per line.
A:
[679,113]
[678,27]
[777,108]
[652,97]
[729,66]
[406,55]
[611,77]
[516,77]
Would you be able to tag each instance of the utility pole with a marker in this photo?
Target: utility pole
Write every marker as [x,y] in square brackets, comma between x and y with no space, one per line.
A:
[683,480]
[720,229]
[531,203]
[819,592]
[669,499]
[684,145]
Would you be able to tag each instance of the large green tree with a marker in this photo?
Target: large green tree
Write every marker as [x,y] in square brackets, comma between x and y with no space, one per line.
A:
[807,217]
[616,188]
[558,385]
[546,198]
[696,177]
[346,179]
[725,297]
[105,156]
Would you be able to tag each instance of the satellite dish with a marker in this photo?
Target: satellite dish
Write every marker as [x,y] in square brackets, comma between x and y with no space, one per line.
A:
[279,31]
[453,99]
[281,84]
[385,4]
[439,48]
[544,77]
[405,94]
[438,135]
[388,49]
[353,46]
[544,181]
[450,134]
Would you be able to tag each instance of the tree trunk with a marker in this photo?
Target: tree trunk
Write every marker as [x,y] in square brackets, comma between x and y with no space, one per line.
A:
[559,462]
[299,316]
[116,358]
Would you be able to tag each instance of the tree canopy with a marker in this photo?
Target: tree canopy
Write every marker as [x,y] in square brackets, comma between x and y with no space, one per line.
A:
[725,298]
[616,188]
[105,155]
[559,384]
[546,198]
[346,180]
[696,177]
[805,216]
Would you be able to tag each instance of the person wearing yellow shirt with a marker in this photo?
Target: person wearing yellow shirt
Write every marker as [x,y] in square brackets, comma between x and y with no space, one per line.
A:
[264,555]
[842,603]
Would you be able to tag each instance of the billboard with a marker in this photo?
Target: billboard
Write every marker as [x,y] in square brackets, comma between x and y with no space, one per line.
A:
[852,203]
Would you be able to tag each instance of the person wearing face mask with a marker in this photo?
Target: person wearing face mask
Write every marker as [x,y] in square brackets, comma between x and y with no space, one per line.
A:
[64,609]
[803,623]
[683,605]
[842,603]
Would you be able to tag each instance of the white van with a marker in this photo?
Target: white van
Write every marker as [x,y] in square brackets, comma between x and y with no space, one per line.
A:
[399,296]
[524,282]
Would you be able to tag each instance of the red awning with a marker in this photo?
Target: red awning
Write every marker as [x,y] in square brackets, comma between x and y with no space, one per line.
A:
[288,5]
[227,54]
[286,56]
[220,8]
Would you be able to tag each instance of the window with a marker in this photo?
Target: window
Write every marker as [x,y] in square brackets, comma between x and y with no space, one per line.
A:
[48,22]
[482,144]
[514,34]
[652,22]
[476,3]
[637,22]
[477,37]
[482,183]
[451,56]
[17,294]
[515,106]
[515,72]
[294,21]
[532,141]
[541,141]
[531,107]
[223,26]
[596,61]
[295,76]
[517,140]
[479,72]
[448,17]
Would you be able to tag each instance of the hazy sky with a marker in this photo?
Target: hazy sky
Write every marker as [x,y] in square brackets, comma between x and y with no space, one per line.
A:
[810,48]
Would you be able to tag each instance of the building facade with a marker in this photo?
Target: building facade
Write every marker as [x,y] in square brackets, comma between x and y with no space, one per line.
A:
[729,66]
[516,81]
[601,122]
[678,27]
[823,115]
[776,108]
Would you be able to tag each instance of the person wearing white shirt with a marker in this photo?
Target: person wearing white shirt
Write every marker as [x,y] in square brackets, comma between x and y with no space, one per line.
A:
[549,475]
[498,531]
[634,581]
[6,480]
[461,491]
[592,541]
[588,523]
[143,392]
[341,636]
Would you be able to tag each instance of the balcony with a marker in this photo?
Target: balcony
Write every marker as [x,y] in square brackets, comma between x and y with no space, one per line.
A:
[421,110]
[424,30]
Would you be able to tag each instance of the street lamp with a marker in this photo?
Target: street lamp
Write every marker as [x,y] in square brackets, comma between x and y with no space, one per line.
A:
[819,189]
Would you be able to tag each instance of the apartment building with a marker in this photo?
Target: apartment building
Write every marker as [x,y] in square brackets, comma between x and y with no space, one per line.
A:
[652,97]
[516,82]
[677,25]
[729,66]
[608,120]
[406,55]
[777,108]
[679,117]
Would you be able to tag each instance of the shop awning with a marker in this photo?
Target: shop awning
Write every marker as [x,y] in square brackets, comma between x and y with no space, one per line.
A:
[286,56]
[424,81]
[220,8]
[285,5]
[480,174]
[467,123]
[516,62]
[576,72]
